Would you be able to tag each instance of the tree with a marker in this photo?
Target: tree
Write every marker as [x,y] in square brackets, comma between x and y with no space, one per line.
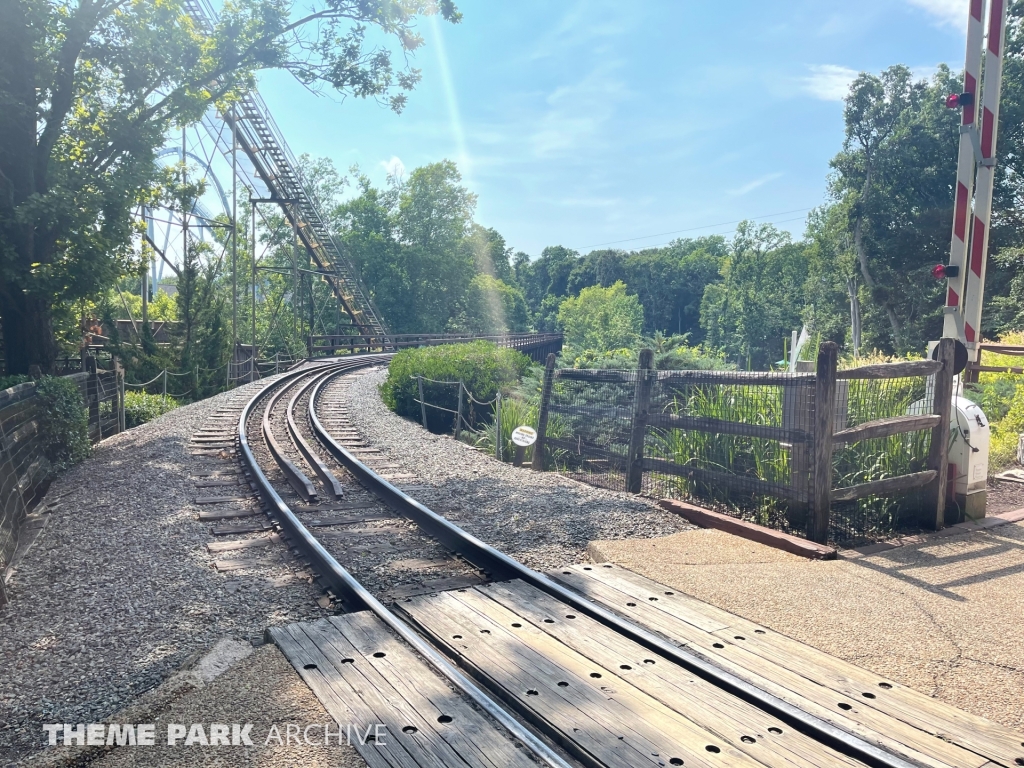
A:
[601,319]
[895,174]
[760,297]
[88,89]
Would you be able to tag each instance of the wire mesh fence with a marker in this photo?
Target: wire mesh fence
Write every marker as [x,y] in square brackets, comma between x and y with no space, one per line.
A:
[758,446]
[589,426]
[878,517]
[739,441]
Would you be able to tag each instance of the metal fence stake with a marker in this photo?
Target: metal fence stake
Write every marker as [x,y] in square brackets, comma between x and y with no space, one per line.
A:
[497,426]
[542,417]
[458,415]
[638,431]
[423,403]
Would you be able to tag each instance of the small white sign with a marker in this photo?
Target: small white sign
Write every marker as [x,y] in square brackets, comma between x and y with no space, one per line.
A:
[524,436]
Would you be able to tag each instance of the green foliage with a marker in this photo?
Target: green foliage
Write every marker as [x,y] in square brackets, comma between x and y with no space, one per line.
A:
[601,319]
[140,407]
[163,307]
[483,367]
[491,307]
[89,91]
[6,382]
[64,421]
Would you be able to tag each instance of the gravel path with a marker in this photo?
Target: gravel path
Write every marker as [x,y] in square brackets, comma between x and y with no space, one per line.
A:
[543,520]
[119,589]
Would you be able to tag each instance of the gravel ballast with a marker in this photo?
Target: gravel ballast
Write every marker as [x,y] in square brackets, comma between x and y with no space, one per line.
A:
[119,589]
[542,519]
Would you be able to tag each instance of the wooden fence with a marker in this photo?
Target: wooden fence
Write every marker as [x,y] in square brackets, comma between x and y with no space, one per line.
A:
[808,427]
[534,345]
[25,472]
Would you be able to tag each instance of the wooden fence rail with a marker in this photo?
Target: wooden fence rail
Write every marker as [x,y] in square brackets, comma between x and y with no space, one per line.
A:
[811,444]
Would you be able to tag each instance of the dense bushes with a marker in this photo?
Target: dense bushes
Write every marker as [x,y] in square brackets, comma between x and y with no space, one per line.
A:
[481,366]
[64,421]
[140,407]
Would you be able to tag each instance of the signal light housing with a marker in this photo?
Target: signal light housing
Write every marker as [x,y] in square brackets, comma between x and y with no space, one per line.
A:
[955,100]
[945,271]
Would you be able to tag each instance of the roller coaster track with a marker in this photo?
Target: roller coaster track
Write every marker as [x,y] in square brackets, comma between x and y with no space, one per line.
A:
[275,167]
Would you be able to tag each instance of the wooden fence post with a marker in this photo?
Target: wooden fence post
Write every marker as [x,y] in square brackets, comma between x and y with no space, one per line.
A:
[542,417]
[824,424]
[641,404]
[938,452]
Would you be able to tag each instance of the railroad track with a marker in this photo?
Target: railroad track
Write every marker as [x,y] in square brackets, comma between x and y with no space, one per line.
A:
[482,661]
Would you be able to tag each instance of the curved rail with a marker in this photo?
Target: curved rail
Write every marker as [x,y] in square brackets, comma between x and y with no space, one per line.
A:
[356,597]
[327,478]
[296,477]
[498,565]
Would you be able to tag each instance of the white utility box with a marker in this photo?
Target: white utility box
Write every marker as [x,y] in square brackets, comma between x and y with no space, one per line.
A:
[968,454]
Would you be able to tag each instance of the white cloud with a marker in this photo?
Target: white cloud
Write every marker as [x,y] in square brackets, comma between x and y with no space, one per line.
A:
[752,185]
[394,167]
[829,82]
[577,113]
[950,12]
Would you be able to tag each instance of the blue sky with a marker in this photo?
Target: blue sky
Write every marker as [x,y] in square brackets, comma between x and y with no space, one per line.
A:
[595,122]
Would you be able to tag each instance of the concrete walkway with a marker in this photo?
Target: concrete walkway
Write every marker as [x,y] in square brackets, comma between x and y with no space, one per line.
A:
[944,616]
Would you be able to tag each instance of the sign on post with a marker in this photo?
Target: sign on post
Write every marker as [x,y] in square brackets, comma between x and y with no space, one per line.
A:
[522,437]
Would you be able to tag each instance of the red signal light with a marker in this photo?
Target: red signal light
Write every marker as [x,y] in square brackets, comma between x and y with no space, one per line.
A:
[944,271]
[955,100]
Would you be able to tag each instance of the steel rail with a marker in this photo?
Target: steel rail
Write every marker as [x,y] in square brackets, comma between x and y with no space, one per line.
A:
[334,576]
[327,478]
[296,477]
[500,566]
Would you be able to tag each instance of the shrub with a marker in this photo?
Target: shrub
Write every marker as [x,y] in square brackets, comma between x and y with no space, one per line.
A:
[64,421]
[481,366]
[140,407]
[6,382]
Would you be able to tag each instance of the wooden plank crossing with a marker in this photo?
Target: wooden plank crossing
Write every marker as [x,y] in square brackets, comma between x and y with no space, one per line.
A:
[877,709]
[364,676]
[608,701]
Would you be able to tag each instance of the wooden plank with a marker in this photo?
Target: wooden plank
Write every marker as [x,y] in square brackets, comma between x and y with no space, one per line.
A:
[922,711]
[335,507]
[337,696]
[248,527]
[705,518]
[403,723]
[897,425]
[748,729]
[892,370]
[432,586]
[626,593]
[938,449]
[230,546]
[224,565]
[227,514]
[888,486]
[223,498]
[582,712]
[217,483]
[468,731]
[743,483]
[722,427]
[654,720]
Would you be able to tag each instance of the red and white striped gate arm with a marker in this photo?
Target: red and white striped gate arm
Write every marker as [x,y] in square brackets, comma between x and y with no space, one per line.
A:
[978,256]
[952,324]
